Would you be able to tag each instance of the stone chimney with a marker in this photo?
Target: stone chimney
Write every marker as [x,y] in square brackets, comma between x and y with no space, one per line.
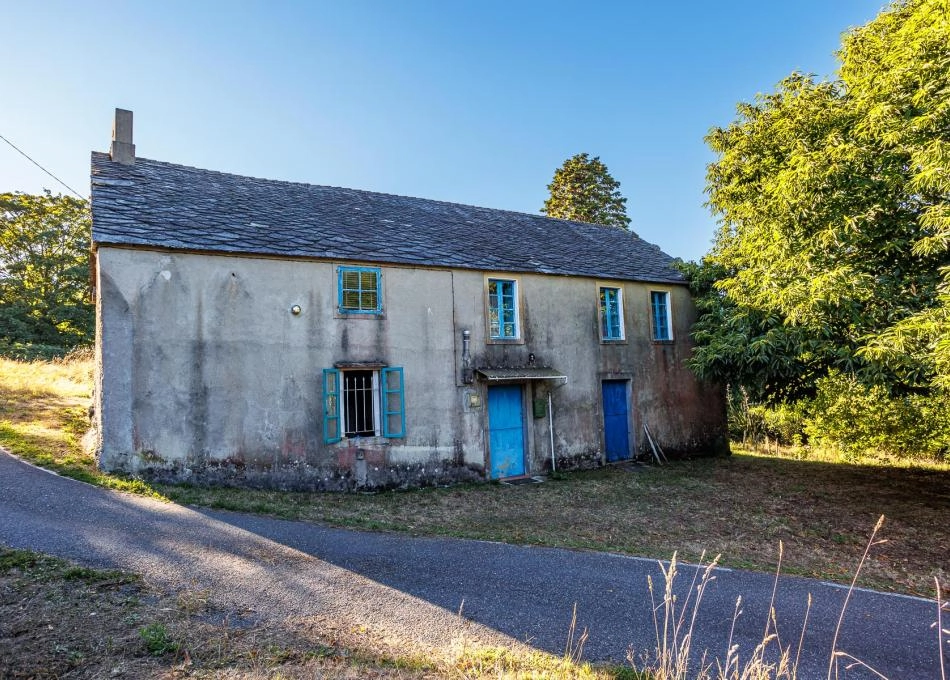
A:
[123,150]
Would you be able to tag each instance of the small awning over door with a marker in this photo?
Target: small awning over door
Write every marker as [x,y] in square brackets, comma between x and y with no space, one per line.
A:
[517,374]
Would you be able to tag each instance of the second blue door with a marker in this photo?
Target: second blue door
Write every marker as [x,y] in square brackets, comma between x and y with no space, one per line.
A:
[506,431]
[616,420]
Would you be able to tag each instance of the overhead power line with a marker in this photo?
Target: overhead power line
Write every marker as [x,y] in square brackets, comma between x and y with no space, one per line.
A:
[27,157]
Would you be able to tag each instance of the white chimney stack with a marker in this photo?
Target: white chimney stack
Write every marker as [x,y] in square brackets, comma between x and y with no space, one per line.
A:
[123,150]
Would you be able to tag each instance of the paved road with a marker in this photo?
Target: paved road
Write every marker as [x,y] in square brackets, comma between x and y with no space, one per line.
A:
[410,590]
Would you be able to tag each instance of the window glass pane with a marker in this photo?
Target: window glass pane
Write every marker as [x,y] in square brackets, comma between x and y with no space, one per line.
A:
[351,280]
[351,299]
[502,310]
[661,318]
[359,290]
[610,315]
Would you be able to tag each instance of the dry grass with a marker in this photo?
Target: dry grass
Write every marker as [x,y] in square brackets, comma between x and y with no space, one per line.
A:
[59,620]
[44,408]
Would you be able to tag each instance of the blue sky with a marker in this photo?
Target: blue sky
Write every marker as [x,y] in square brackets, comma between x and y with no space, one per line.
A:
[471,102]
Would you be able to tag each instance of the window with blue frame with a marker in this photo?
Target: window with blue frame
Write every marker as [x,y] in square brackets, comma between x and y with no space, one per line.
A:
[363,403]
[503,309]
[360,290]
[611,314]
[660,305]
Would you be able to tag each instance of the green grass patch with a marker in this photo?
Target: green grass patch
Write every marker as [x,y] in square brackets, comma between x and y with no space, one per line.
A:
[158,641]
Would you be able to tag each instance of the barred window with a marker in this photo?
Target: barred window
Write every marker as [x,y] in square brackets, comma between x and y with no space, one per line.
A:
[363,403]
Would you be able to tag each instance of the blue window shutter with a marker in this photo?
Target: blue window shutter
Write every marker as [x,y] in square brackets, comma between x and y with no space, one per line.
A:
[331,406]
[394,403]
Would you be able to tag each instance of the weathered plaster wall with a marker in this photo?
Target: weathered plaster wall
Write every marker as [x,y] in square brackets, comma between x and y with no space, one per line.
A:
[205,374]
[561,328]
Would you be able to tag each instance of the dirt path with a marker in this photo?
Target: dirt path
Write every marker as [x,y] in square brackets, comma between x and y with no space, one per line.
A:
[409,591]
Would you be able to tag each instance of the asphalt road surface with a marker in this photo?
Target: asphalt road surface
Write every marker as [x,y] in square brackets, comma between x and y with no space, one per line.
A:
[411,590]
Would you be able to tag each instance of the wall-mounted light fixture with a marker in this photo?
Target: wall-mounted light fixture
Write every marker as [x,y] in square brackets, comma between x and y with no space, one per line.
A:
[295,310]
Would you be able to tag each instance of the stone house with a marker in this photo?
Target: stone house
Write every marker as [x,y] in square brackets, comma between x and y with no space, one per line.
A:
[267,333]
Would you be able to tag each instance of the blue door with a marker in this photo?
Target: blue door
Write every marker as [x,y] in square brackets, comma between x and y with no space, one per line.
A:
[616,420]
[506,431]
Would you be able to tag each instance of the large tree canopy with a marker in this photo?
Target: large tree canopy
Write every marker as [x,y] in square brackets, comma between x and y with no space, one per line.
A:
[583,190]
[834,208]
[44,270]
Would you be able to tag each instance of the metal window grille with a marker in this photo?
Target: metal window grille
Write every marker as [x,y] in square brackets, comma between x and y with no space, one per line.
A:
[360,403]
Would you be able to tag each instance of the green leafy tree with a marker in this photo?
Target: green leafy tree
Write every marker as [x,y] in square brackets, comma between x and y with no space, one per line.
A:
[835,220]
[897,70]
[44,270]
[583,190]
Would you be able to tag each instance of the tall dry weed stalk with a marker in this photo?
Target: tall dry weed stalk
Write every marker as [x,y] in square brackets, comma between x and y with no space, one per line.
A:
[675,622]
[574,647]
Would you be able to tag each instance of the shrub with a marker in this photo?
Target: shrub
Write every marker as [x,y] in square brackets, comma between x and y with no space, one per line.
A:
[30,351]
[856,419]
[751,423]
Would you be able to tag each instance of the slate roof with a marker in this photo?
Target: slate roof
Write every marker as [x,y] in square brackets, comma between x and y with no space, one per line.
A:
[158,204]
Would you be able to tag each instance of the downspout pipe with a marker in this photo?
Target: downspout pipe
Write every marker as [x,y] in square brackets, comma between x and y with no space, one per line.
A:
[551,423]
[551,431]
[467,373]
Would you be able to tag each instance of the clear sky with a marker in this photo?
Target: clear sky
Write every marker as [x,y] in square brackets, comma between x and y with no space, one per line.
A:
[474,102]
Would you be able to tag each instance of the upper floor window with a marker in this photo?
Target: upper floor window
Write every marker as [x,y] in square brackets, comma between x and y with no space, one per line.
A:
[503,309]
[611,314]
[360,290]
[660,306]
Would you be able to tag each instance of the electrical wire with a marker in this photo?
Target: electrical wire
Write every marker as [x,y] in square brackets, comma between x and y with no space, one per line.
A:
[24,154]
